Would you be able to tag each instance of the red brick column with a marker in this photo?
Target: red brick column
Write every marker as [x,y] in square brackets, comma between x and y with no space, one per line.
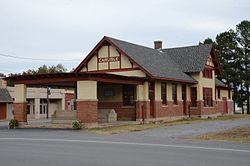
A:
[20,112]
[142,110]
[86,111]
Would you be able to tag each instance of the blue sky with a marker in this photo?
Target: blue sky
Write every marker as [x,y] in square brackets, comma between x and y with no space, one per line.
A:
[69,29]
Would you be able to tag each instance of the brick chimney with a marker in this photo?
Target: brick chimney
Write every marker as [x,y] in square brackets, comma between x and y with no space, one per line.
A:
[158,44]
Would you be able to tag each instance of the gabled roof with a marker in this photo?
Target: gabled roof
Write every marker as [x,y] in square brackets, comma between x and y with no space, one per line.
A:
[5,96]
[170,64]
[190,59]
[153,61]
[219,83]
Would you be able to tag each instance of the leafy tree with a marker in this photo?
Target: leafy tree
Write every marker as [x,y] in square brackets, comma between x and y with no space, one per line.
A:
[2,75]
[41,70]
[46,69]
[207,41]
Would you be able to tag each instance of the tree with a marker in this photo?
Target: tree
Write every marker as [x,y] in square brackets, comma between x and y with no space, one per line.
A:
[243,38]
[2,75]
[228,53]
[46,69]
[233,50]
[207,41]
[41,70]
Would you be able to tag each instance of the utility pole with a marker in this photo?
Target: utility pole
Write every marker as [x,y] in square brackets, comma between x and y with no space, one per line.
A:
[48,93]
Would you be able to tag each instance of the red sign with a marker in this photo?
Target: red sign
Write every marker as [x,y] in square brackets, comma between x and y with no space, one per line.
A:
[109,59]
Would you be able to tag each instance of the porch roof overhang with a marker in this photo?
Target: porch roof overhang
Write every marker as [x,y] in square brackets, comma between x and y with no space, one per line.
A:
[70,79]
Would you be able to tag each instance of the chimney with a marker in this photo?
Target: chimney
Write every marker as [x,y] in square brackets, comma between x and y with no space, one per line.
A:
[158,44]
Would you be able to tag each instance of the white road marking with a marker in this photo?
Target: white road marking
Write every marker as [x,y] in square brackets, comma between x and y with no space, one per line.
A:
[127,143]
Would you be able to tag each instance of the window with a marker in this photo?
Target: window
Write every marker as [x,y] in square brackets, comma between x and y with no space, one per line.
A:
[207,97]
[164,93]
[229,93]
[193,96]
[174,93]
[108,92]
[207,73]
[28,109]
[128,95]
[43,106]
[218,93]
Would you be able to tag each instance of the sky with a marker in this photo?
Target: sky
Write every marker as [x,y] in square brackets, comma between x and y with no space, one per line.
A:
[65,31]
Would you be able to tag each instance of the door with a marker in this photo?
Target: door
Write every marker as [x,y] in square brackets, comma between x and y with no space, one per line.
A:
[3,110]
[224,99]
[184,98]
[151,97]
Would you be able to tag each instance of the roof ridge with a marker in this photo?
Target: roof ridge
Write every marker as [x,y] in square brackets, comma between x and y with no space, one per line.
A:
[131,43]
[187,46]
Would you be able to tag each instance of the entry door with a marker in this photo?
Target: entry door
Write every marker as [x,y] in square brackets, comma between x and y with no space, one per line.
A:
[3,111]
[184,98]
[224,99]
[151,97]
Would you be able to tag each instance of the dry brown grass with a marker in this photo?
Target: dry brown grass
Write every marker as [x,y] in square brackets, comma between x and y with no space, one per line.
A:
[239,134]
[140,127]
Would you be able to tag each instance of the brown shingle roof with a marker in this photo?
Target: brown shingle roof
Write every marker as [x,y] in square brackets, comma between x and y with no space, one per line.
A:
[5,96]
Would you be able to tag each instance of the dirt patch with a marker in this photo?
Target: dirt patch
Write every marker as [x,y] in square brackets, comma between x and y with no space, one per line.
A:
[238,134]
[48,126]
[140,127]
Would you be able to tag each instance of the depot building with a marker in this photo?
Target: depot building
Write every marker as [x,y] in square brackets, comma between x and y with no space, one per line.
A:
[139,83]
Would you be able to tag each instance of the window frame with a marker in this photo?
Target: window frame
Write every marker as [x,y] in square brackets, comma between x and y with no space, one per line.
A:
[208,97]
[218,91]
[193,93]
[207,73]
[164,93]
[127,89]
[174,93]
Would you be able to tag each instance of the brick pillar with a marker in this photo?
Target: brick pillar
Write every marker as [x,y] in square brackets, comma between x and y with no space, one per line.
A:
[142,102]
[20,103]
[86,104]
[20,112]
[87,111]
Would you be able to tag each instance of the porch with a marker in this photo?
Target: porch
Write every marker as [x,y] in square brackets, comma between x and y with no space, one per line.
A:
[127,96]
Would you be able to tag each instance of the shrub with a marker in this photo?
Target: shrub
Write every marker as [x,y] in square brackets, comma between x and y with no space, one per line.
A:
[77,125]
[13,123]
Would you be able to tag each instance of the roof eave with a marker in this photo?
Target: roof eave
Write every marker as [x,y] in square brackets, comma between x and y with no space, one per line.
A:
[176,80]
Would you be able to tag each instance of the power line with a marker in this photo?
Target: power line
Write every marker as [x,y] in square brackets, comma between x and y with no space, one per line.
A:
[37,59]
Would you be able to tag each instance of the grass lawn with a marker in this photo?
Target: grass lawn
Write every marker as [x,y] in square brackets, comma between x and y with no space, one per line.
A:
[140,127]
[239,134]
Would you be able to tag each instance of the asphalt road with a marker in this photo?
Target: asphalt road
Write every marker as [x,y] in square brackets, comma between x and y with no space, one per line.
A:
[38,147]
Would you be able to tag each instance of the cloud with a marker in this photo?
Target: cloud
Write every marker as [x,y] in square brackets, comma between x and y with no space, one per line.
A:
[63,28]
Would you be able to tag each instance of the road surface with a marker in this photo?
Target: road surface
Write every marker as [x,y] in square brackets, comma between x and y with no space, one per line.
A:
[165,146]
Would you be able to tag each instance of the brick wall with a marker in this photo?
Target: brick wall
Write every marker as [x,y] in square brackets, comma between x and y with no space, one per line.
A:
[169,110]
[20,112]
[142,110]
[68,97]
[86,111]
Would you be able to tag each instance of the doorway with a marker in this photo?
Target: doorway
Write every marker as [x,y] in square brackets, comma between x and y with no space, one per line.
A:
[184,98]
[151,93]
[224,99]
